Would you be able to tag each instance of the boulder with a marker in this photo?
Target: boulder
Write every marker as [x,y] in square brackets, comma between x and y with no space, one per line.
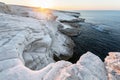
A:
[112,63]
[70,32]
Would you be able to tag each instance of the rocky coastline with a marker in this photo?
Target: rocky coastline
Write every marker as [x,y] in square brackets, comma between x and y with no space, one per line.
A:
[37,44]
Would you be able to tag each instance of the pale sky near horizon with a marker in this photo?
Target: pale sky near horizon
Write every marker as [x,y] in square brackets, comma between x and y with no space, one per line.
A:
[70,4]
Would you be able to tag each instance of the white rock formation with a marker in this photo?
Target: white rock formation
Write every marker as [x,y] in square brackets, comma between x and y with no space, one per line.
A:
[4,8]
[84,69]
[33,41]
[30,43]
[64,15]
[89,67]
[37,13]
[112,63]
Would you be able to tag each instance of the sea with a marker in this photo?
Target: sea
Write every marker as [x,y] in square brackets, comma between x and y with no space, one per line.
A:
[101,37]
[108,18]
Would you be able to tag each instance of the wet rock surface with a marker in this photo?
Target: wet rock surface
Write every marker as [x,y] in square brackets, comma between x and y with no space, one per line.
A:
[73,21]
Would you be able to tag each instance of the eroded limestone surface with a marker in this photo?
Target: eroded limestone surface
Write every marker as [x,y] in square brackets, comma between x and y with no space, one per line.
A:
[32,48]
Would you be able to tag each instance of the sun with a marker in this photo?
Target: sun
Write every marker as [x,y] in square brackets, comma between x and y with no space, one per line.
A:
[41,3]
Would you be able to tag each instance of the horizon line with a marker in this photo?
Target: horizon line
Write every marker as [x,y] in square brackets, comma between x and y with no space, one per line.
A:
[65,9]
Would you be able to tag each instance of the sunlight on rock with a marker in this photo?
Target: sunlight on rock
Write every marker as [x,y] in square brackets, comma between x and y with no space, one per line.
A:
[45,12]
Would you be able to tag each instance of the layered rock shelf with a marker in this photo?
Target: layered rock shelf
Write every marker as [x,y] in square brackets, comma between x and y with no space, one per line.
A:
[37,45]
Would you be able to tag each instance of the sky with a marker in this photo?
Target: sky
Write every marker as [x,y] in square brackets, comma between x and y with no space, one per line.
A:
[69,4]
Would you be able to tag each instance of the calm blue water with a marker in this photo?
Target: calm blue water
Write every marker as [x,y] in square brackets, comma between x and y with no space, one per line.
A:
[108,18]
[100,38]
[102,17]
